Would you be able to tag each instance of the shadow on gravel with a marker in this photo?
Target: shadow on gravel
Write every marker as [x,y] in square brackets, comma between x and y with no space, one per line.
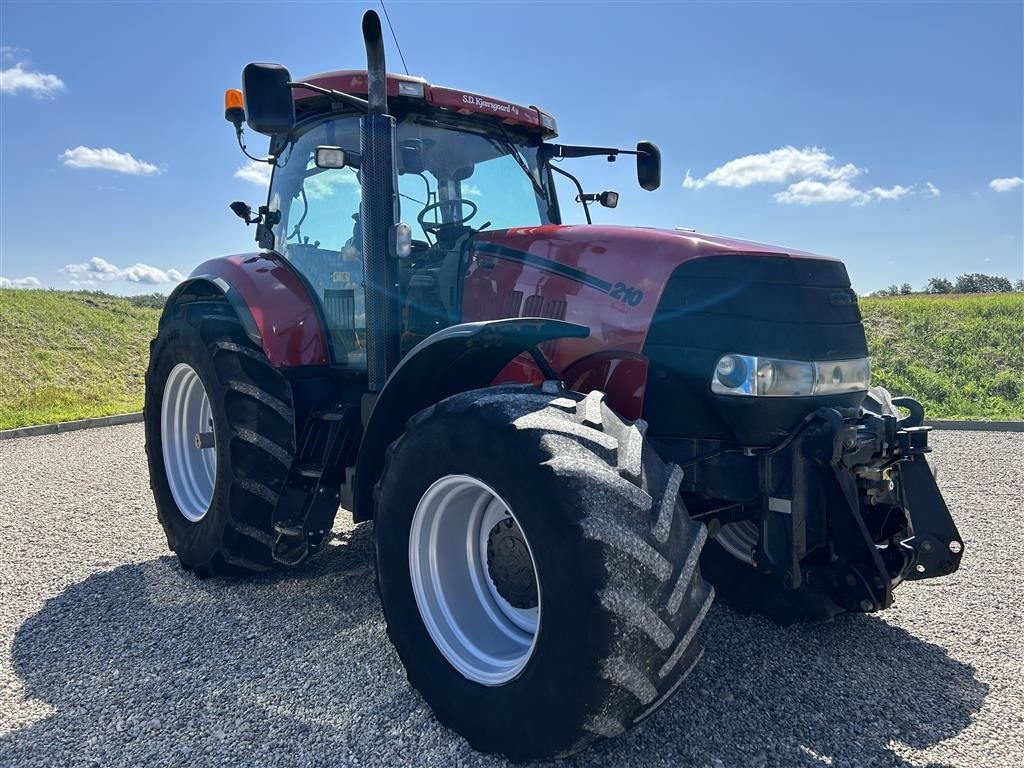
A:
[145,665]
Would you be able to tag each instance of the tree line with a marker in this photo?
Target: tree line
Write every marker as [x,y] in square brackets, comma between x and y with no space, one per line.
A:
[972,283]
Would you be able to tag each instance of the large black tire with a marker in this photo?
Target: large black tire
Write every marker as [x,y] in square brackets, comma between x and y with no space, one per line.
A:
[615,551]
[253,423]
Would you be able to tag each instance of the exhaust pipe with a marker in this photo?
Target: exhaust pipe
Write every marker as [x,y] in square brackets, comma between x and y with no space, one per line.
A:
[378,213]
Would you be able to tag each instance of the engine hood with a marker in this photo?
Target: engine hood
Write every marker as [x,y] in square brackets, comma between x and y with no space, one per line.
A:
[675,245]
[608,278]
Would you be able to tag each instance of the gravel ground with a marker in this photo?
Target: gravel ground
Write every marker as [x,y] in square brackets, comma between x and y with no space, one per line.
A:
[111,655]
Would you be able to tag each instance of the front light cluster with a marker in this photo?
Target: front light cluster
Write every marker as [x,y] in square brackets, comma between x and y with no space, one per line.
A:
[769,377]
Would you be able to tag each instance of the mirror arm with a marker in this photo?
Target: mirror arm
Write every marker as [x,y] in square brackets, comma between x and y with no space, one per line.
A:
[567,150]
[579,187]
[352,101]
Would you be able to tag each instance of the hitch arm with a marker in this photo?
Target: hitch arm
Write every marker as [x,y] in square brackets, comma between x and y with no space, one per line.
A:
[936,541]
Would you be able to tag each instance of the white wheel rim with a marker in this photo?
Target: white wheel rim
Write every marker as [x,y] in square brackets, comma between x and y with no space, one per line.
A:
[481,633]
[739,539]
[189,445]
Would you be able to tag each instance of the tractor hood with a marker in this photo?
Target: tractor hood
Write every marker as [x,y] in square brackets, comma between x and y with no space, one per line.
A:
[604,272]
[670,299]
[692,243]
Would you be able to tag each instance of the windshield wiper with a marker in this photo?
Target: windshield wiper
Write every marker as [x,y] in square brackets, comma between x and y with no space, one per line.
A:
[514,151]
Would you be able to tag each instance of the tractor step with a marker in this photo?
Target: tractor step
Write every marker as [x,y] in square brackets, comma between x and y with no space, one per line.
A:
[288,531]
[310,498]
[328,415]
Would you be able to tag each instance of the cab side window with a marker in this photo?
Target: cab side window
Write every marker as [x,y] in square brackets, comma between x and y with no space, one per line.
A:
[319,232]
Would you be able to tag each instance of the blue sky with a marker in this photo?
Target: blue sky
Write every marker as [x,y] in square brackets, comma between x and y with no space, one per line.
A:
[876,101]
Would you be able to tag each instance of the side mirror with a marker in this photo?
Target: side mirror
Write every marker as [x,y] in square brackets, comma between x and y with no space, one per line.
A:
[648,165]
[269,107]
[608,199]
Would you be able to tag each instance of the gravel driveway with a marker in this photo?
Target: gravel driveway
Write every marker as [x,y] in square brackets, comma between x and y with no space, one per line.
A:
[111,655]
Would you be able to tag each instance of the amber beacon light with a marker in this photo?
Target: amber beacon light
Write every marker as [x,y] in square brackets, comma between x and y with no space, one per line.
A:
[234,107]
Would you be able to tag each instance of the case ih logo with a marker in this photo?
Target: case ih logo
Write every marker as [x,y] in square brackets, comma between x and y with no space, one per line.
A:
[479,103]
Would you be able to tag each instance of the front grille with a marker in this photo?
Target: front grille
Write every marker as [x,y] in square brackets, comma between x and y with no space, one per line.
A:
[777,306]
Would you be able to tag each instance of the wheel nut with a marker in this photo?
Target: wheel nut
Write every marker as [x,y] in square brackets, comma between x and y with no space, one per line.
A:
[204,440]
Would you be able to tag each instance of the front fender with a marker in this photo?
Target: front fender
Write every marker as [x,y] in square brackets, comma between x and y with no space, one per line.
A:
[453,360]
[272,301]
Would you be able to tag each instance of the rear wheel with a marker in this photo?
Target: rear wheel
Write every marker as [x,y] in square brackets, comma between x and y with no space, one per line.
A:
[219,439]
[538,572]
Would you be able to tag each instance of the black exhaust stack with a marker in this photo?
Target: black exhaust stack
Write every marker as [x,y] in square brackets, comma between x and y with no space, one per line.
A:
[378,213]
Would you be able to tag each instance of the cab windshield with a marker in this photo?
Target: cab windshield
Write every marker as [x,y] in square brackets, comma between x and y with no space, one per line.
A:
[452,182]
[437,166]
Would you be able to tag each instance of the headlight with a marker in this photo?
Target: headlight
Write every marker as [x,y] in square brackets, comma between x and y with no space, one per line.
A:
[769,377]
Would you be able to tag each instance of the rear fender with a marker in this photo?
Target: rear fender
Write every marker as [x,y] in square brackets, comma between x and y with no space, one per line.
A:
[453,360]
[271,300]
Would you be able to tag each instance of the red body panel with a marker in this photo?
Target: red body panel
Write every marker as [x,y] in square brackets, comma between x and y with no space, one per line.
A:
[285,313]
[353,81]
[588,275]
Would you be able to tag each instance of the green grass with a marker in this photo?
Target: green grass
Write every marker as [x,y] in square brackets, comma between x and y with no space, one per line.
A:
[70,356]
[961,356]
[67,356]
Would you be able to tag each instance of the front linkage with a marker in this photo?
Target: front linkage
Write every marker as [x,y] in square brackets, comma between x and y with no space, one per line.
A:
[852,509]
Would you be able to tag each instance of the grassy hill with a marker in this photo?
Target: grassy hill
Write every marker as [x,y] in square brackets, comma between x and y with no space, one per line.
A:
[70,355]
[961,356]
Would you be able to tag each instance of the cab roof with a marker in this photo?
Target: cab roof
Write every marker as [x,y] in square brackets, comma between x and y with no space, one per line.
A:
[353,81]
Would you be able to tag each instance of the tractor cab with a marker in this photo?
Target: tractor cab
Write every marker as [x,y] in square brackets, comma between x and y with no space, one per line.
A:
[463,163]
[459,172]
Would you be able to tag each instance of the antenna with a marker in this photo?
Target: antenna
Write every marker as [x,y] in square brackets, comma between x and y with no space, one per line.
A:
[394,37]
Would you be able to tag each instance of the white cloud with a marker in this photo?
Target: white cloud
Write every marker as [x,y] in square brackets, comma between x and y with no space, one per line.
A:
[813,177]
[318,187]
[17,79]
[107,159]
[98,270]
[472,190]
[143,273]
[896,192]
[808,192]
[325,185]
[257,173]
[20,282]
[776,167]
[1005,185]
[933,190]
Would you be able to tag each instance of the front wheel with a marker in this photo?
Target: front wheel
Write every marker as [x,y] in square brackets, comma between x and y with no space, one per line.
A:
[538,572]
[219,439]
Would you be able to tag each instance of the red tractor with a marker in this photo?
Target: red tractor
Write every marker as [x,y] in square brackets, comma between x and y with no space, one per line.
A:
[564,435]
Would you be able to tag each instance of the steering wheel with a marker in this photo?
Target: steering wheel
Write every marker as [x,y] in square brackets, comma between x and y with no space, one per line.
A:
[433,227]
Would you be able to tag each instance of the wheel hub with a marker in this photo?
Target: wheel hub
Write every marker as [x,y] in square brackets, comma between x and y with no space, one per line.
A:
[510,566]
[474,579]
[189,441]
